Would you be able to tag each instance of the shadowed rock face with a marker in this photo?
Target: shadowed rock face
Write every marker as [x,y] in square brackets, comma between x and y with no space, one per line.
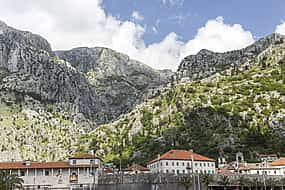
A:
[206,63]
[119,81]
[99,83]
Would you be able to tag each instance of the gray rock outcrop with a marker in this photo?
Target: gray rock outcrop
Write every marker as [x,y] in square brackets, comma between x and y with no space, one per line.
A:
[99,83]
[206,63]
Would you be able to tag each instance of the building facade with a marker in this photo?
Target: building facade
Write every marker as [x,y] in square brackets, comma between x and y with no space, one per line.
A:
[274,168]
[182,162]
[136,169]
[82,170]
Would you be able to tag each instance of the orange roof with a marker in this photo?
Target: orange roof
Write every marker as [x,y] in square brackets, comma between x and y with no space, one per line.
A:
[38,165]
[136,167]
[279,162]
[182,155]
[84,156]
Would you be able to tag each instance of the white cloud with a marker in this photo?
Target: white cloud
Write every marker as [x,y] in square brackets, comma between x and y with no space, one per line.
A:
[218,36]
[137,16]
[71,23]
[172,3]
[280,28]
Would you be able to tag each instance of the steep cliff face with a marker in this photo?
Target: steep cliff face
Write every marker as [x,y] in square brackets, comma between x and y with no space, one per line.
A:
[99,83]
[119,81]
[46,103]
[207,63]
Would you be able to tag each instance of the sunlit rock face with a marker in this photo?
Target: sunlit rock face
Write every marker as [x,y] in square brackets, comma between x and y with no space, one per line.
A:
[206,63]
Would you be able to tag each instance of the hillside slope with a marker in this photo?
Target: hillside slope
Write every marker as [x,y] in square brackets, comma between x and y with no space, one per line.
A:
[237,109]
[46,103]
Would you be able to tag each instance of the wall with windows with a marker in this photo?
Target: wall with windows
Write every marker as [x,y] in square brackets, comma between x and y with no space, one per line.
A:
[182,167]
[266,171]
[85,162]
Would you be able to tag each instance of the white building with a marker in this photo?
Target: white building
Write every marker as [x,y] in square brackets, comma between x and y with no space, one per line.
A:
[136,169]
[277,167]
[182,162]
[82,170]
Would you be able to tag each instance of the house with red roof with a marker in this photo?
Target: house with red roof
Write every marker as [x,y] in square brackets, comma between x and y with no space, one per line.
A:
[136,169]
[182,162]
[78,171]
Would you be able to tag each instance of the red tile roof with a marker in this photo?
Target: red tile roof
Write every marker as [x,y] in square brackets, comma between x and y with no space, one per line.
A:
[279,162]
[182,155]
[39,165]
[136,167]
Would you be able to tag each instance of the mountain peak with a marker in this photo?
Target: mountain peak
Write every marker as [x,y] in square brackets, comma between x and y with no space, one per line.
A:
[196,67]
[205,52]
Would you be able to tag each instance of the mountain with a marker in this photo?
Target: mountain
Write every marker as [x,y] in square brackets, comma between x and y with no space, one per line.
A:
[48,99]
[207,63]
[236,102]
[119,81]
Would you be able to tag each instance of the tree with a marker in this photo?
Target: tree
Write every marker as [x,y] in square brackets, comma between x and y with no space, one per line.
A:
[242,181]
[187,182]
[224,181]
[207,179]
[10,181]
[271,183]
[282,183]
[282,66]
[263,62]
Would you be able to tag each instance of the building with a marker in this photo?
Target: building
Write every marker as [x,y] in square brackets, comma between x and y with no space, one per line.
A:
[182,162]
[274,168]
[267,157]
[136,169]
[81,170]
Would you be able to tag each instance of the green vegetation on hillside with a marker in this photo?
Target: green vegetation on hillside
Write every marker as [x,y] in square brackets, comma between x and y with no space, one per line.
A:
[216,117]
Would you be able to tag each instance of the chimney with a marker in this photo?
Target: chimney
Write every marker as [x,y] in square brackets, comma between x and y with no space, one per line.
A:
[158,156]
[27,162]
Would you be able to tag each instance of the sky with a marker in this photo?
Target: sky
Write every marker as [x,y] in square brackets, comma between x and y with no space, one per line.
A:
[159,33]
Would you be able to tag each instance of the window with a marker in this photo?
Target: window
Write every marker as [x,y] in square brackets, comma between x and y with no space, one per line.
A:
[173,171]
[177,163]
[196,164]
[257,172]
[188,164]
[172,163]
[166,163]
[200,164]
[182,163]
[274,172]
[204,164]
[22,173]
[167,171]
[46,173]
[91,162]
[73,162]
[58,173]
[183,171]
[161,163]
[177,171]
[208,164]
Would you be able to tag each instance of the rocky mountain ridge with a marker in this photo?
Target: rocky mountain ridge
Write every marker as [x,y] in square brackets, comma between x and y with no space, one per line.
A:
[206,63]
[47,103]
[98,83]
[51,100]
[241,108]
